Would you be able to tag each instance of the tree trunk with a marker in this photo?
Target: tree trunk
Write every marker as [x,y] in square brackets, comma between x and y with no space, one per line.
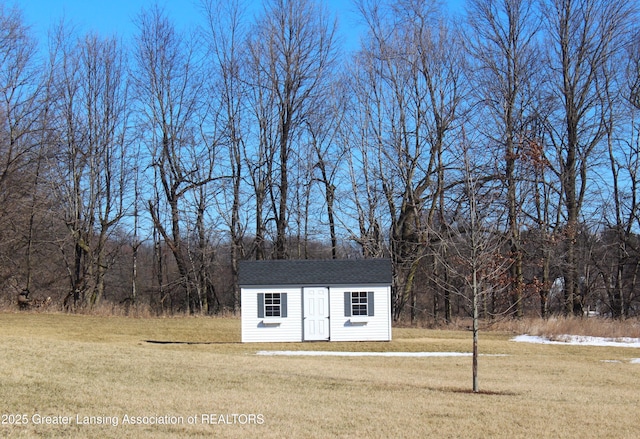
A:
[475,295]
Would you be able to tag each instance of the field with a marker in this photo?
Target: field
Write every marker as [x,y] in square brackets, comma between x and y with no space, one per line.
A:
[78,376]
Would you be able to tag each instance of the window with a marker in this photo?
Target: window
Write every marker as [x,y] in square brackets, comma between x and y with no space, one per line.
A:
[272,305]
[358,303]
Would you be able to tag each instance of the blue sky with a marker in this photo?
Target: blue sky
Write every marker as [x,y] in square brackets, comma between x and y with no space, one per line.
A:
[109,17]
[115,16]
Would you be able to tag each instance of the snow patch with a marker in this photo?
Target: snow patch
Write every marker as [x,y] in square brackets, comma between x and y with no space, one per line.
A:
[580,340]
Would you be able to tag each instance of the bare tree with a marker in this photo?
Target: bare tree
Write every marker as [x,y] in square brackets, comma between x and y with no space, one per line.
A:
[225,35]
[106,107]
[292,53]
[413,81]
[169,87]
[474,242]
[92,120]
[323,129]
[19,81]
[22,166]
[617,259]
[364,202]
[504,44]
[584,36]
[545,213]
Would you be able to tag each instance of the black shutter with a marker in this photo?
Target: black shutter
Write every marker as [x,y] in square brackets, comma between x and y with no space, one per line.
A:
[370,303]
[261,305]
[347,304]
[283,304]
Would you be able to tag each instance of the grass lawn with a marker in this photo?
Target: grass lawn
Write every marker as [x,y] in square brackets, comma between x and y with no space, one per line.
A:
[61,375]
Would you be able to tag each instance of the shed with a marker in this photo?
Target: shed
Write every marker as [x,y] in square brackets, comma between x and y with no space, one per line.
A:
[314,300]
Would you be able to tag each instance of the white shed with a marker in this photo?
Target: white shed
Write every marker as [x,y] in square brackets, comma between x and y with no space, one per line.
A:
[313,300]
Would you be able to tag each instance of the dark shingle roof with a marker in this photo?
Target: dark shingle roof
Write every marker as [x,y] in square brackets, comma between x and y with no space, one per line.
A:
[315,272]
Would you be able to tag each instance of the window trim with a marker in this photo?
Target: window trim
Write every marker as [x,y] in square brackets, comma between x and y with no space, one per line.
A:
[349,304]
[264,301]
[272,305]
[359,303]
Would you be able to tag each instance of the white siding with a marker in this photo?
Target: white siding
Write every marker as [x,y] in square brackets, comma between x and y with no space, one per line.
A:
[361,328]
[271,329]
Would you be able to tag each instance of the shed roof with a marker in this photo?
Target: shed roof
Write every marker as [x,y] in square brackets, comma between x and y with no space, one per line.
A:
[315,272]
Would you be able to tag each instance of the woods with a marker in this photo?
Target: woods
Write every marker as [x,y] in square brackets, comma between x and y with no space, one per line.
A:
[492,153]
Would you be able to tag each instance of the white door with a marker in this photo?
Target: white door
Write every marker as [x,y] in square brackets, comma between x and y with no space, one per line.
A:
[316,313]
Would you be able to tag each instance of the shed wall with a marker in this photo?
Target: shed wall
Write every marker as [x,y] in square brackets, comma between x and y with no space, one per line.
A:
[361,328]
[269,329]
[290,328]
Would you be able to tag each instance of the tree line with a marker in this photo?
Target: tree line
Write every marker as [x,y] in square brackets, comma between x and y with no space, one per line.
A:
[492,154]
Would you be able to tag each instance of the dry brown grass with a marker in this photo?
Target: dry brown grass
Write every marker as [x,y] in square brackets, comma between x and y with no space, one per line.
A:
[56,364]
[555,326]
